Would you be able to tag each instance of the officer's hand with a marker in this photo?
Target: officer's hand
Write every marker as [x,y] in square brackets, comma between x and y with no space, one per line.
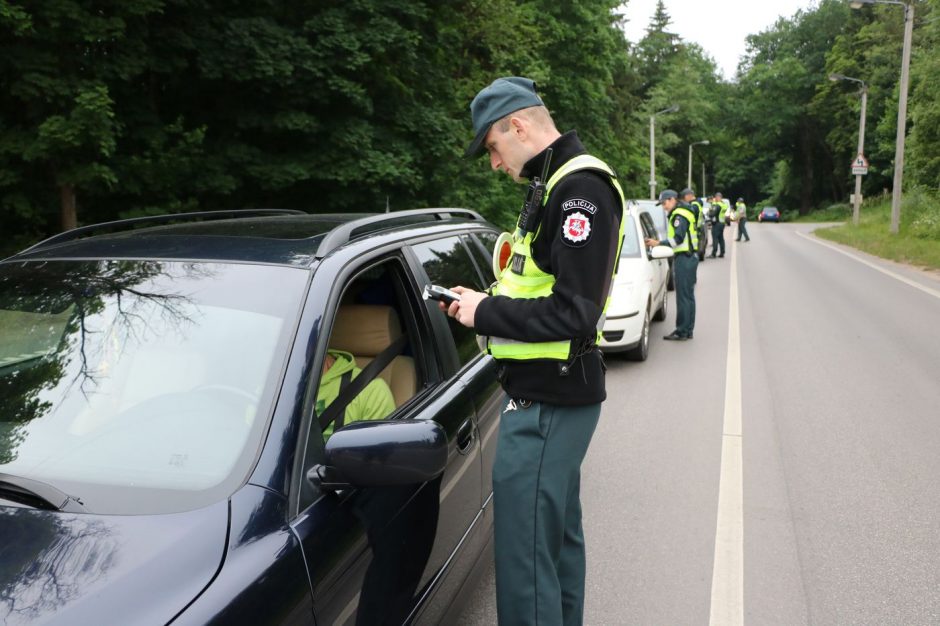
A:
[465,309]
[651,243]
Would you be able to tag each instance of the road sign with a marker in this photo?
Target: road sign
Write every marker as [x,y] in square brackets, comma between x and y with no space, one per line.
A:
[860,166]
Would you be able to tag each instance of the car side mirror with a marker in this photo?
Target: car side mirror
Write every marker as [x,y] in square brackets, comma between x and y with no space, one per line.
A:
[382,453]
[661,252]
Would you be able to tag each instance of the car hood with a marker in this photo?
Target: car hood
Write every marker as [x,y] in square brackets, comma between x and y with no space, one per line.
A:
[60,568]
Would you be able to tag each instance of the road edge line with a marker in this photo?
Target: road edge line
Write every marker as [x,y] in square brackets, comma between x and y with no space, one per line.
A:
[887,272]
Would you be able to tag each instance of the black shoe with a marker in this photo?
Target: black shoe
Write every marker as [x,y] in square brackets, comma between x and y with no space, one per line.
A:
[689,336]
[674,336]
[721,256]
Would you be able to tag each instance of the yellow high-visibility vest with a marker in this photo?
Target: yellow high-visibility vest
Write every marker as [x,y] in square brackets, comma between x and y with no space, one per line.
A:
[534,283]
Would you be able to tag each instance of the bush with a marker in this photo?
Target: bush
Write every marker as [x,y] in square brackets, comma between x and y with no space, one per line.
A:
[923,209]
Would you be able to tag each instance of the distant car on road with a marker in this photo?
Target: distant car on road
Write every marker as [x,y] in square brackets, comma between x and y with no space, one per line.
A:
[639,290]
[769,214]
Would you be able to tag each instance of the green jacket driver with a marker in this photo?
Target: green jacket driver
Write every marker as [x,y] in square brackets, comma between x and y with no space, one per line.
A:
[375,402]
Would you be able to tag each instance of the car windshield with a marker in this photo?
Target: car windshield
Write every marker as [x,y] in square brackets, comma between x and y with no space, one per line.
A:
[631,242]
[140,386]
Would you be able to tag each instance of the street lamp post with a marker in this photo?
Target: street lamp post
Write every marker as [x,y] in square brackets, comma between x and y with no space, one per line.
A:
[697,143]
[671,109]
[902,106]
[857,199]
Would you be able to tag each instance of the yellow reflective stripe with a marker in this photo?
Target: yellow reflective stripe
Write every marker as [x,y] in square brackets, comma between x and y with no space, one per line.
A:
[512,349]
[514,289]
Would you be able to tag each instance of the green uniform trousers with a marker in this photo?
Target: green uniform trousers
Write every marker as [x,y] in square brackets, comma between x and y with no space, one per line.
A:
[539,542]
[685,268]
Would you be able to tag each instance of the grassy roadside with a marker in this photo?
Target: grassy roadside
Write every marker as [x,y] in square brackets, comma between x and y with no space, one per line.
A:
[917,243]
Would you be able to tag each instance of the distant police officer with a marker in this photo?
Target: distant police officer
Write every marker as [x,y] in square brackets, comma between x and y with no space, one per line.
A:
[740,214]
[542,324]
[718,226]
[683,239]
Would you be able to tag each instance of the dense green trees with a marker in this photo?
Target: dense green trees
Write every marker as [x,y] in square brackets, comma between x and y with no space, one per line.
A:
[802,129]
[118,108]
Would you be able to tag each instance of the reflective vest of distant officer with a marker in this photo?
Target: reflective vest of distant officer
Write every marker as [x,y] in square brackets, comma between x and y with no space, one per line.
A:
[718,226]
[687,196]
[741,217]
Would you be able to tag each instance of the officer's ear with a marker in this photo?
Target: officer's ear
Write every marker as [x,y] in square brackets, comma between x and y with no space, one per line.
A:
[519,127]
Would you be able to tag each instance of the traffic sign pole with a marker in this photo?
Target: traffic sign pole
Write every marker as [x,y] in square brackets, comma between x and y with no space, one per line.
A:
[857,204]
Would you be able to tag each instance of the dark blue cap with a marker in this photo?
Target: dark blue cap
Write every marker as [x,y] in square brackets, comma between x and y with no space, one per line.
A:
[497,100]
[666,194]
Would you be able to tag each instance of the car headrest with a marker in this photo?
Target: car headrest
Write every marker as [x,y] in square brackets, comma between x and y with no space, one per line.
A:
[365,329]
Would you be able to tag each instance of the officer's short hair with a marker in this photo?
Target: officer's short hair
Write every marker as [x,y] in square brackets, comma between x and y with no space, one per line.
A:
[538,115]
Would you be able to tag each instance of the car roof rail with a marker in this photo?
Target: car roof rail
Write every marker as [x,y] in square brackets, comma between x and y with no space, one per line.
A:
[84,231]
[343,233]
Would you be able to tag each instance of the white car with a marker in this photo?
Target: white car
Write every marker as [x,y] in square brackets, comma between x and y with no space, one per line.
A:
[639,291]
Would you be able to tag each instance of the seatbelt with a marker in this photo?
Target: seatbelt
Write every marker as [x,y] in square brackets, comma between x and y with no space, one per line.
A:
[366,376]
[344,381]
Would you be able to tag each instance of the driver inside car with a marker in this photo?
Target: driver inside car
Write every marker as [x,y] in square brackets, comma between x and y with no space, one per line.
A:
[375,402]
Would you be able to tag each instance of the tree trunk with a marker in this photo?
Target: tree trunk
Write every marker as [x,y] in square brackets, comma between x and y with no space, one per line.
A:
[69,215]
[808,182]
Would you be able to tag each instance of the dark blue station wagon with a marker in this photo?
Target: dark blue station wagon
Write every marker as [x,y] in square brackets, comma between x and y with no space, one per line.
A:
[162,455]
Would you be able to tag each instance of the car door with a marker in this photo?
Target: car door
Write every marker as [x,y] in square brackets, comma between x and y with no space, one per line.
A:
[659,268]
[378,555]
[489,402]
[450,261]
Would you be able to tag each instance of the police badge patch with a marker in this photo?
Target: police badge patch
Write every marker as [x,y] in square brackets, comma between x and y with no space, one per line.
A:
[576,229]
[676,222]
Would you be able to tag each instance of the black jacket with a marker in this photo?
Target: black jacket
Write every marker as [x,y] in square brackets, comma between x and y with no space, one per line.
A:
[581,258]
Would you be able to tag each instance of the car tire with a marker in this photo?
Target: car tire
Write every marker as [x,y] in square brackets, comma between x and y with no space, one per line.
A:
[661,312]
[642,349]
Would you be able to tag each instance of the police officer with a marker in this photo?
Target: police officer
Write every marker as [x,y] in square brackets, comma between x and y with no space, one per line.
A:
[683,239]
[718,226]
[542,324]
[740,212]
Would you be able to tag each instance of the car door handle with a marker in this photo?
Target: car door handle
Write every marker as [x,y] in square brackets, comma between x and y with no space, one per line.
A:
[465,436]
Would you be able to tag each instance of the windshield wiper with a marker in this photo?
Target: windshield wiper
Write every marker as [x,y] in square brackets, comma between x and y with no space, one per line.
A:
[38,494]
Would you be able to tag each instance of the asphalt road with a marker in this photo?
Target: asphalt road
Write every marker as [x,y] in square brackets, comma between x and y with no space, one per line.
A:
[830,486]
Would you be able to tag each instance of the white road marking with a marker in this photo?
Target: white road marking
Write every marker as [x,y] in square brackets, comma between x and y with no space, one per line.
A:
[727,601]
[908,281]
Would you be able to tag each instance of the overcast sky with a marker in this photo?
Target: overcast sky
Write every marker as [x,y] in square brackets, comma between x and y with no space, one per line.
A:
[719,27]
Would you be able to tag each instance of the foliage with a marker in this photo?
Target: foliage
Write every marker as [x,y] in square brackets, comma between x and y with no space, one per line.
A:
[112,109]
[924,208]
[872,234]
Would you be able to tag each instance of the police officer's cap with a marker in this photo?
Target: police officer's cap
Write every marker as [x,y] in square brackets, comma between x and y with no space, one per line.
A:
[740,199]
[497,100]
[688,191]
[666,194]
